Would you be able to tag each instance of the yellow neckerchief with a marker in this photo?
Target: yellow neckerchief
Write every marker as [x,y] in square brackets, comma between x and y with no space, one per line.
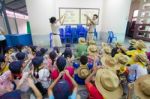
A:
[5,68]
[83,65]
[122,69]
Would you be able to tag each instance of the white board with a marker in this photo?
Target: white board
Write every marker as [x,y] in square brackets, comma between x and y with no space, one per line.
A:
[72,15]
[89,12]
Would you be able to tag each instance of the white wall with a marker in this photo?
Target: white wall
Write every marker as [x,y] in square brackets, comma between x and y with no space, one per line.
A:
[115,17]
[81,4]
[22,28]
[39,12]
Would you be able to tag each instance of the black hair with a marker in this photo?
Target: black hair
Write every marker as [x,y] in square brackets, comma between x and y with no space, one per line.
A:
[61,63]
[67,52]
[33,48]
[15,67]
[56,49]
[2,59]
[43,51]
[20,56]
[19,47]
[52,20]
[95,15]
[39,54]
[83,59]
[53,56]
[65,90]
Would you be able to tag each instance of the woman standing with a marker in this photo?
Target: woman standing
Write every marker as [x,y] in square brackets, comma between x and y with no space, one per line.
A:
[91,23]
[2,41]
[55,24]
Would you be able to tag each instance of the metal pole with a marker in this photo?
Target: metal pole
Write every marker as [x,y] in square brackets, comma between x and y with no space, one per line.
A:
[5,16]
[16,23]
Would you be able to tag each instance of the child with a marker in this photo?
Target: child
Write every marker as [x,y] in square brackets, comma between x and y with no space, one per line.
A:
[3,64]
[81,48]
[9,76]
[83,70]
[39,73]
[60,89]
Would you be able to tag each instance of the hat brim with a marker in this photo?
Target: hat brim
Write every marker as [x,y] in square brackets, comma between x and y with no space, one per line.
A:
[82,42]
[79,71]
[137,90]
[116,94]
[103,60]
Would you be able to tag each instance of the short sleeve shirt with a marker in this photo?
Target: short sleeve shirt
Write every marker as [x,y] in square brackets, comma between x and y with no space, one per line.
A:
[93,92]
[140,70]
[5,83]
[73,96]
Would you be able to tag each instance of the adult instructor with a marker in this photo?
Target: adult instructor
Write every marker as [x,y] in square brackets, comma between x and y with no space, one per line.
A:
[91,23]
[55,24]
[2,40]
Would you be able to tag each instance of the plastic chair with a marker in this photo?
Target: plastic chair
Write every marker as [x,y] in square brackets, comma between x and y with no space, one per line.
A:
[111,37]
[62,35]
[51,39]
[79,28]
[74,35]
[82,32]
[68,35]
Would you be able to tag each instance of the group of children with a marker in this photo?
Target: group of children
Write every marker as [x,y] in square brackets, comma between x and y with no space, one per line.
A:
[107,72]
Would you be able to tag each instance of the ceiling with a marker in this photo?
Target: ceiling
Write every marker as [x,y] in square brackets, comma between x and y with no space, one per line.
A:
[18,6]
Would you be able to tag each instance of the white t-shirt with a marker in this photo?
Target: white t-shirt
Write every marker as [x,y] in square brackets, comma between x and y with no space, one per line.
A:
[140,71]
[55,28]
[2,37]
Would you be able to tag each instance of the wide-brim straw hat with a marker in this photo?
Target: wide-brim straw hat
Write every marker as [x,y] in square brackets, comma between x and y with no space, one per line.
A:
[108,61]
[104,44]
[122,59]
[92,42]
[141,58]
[123,48]
[140,44]
[132,42]
[83,72]
[82,40]
[142,87]
[107,84]
[107,50]
[92,49]
[118,44]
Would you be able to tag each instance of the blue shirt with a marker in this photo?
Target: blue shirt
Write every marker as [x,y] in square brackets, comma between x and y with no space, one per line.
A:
[2,37]
[73,96]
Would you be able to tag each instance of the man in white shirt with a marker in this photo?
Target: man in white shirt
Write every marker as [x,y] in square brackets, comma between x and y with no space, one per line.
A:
[2,40]
[92,26]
